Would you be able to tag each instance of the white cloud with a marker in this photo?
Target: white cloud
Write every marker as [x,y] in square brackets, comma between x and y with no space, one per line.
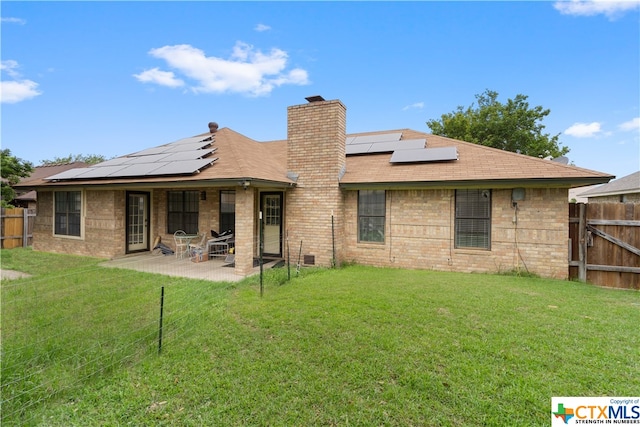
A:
[262,27]
[10,67]
[610,8]
[633,124]
[416,105]
[248,70]
[15,91]
[18,89]
[13,20]
[584,130]
[163,78]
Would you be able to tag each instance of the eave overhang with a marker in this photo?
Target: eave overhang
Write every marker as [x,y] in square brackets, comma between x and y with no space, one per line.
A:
[215,183]
[489,183]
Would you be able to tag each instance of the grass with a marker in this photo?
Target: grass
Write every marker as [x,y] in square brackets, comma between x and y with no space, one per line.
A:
[352,346]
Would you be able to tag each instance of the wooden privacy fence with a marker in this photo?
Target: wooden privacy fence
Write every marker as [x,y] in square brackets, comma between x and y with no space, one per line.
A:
[16,227]
[604,244]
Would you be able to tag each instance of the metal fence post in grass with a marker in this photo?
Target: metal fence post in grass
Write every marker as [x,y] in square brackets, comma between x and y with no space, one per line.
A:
[333,242]
[288,260]
[160,328]
[261,246]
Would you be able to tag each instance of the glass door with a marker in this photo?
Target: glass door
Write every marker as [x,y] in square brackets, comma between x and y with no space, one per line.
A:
[272,219]
[137,222]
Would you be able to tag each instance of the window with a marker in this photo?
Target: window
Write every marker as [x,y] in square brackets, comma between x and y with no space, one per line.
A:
[182,211]
[473,219]
[227,210]
[68,211]
[371,215]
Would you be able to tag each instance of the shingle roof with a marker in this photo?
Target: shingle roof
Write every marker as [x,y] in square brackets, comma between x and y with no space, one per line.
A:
[40,172]
[240,157]
[476,164]
[625,185]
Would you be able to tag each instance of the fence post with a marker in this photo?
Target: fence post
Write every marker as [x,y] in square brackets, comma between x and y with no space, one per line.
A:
[582,242]
[261,249]
[25,228]
[160,327]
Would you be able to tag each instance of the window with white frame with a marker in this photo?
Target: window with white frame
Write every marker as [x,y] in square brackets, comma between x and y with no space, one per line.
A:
[371,215]
[67,213]
[473,219]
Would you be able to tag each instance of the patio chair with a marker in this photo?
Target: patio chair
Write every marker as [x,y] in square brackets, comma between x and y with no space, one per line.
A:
[219,246]
[181,243]
[199,248]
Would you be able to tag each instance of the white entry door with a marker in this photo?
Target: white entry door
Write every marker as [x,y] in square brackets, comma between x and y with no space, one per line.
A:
[137,222]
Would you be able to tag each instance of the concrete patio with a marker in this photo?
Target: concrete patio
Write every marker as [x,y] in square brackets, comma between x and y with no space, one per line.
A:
[169,265]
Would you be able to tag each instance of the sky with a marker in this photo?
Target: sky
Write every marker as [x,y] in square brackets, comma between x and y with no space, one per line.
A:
[112,78]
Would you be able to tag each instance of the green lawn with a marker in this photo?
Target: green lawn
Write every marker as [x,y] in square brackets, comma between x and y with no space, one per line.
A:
[352,346]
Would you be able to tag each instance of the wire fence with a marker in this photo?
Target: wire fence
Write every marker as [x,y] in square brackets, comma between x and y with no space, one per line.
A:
[64,331]
[61,332]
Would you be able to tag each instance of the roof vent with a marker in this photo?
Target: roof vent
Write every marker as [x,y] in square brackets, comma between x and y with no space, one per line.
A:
[315,98]
[213,127]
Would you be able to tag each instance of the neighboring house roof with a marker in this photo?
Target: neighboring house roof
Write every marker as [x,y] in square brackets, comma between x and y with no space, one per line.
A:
[625,185]
[575,194]
[29,196]
[238,157]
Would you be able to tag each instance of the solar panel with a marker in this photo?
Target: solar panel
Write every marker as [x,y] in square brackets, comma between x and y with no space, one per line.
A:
[149,151]
[145,159]
[113,162]
[438,154]
[138,170]
[193,139]
[100,172]
[190,146]
[183,167]
[388,147]
[68,174]
[384,147]
[357,149]
[190,155]
[368,139]
[184,156]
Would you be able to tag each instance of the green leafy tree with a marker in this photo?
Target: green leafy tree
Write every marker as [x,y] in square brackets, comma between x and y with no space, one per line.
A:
[12,169]
[513,126]
[91,159]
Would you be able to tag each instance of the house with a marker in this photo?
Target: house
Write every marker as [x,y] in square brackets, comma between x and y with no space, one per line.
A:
[624,190]
[398,198]
[575,194]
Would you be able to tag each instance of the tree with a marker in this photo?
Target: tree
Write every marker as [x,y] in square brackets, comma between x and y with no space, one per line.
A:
[12,169]
[91,159]
[513,126]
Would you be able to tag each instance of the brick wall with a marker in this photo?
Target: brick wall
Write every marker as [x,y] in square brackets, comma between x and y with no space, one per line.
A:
[245,228]
[316,134]
[105,222]
[208,213]
[104,226]
[419,233]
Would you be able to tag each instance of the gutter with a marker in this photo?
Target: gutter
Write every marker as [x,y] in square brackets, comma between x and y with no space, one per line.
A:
[488,183]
